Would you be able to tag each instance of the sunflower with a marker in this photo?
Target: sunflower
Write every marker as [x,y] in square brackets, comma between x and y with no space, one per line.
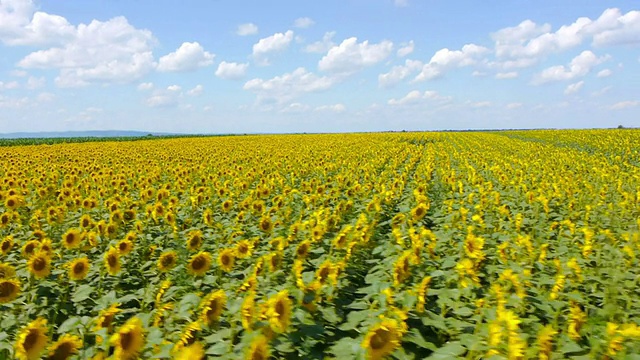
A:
[112,261]
[247,310]
[39,234]
[418,212]
[46,247]
[266,224]
[303,249]
[212,307]
[86,222]
[72,238]
[129,340]
[259,349]
[275,260]
[341,240]
[194,240]
[6,245]
[40,265]
[7,271]
[79,268]
[124,247]
[106,317]
[194,351]
[199,263]
[279,311]
[167,260]
[12,202]
[9,289]
[226,259]
[382,339]
[188,335]
[207,217]
[66,346]
[5,218]
[244,249]
[32,340]
[227,205]
[30,247]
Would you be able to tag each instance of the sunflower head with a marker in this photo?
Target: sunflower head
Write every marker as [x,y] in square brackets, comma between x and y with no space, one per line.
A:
[266,224]
[72,238]
[6,245]
[194,240]
[32,340]
[244,249]
[199,264]
[124,247]
[247,311]
[7,271]
[167,260]
[212,307]
[418,212]
[9,289]
[279,311]
[30,247]
[66,346]
[303,249]
[129,340]
[40,264]
[194,351]
[259,349]
[382,339]
[79,268]
[106,317]
[226,259]
[112,261]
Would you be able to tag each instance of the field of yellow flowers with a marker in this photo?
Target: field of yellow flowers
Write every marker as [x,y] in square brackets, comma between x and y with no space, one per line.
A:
[505,245]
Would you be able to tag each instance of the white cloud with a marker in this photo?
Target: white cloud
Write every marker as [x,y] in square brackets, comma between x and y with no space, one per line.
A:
[323,45]
[274,43]
[20,24]
[614,28]
[35,82]
[162,100]
[602,91]
[336,108]
[174,87]
[295,108]
[284,88]
[110,51]
[514,105]
[406,49]
[507,75]
[479,104]
[145,86]
[197,90]
[574,88]
[45,97]
[604,73]
[399,73]
[188,57]
[445,59]
[303,22]
[19,73]
[351,56]
[247,29]
[9,86]
[13,102]
[580,66]
[401,3]
[231,70]
[415,96]
[477,73]
[624,105]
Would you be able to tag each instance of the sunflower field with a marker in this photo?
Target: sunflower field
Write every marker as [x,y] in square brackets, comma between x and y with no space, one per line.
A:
[472,245]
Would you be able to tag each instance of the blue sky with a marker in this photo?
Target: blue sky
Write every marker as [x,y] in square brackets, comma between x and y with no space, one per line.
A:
[309,66]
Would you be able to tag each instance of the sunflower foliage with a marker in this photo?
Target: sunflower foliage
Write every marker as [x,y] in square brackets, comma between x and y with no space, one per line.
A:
[507,245]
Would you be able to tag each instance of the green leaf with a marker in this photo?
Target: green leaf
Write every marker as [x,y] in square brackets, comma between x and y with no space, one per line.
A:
[69,324]
[570,347]
[414,336]
[82,293]
[451,350]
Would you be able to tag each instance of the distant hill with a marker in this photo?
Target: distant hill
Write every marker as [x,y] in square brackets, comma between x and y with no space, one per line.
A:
[80,134]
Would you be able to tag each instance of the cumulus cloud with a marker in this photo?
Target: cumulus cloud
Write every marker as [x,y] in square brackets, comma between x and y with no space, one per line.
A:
[247,29]
[231,70]
[303,22]
[604,73]
[399,73]
[351,56]
[284,88]
[624,105]
[145,86]
[188,57]
[507,75]
[197,90]
[9,85]
[21,24]
[574,88]
[415,96]
[323,45]
[274,43]
[580,66]
[110,51]
[336,108]
[174,87]
[406,49]
[615,28]
[445,59]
